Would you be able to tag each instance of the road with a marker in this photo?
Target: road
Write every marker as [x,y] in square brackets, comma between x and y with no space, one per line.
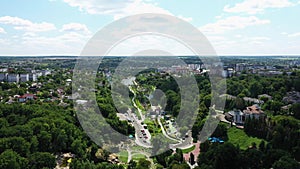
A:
[142,138]
[187,142]
[164,132]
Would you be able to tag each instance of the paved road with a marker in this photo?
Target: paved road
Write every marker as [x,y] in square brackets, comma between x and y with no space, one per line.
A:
[187,143]
[142,138]
[163,130]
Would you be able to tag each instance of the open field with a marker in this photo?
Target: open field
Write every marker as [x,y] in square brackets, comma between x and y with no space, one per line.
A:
[239,137]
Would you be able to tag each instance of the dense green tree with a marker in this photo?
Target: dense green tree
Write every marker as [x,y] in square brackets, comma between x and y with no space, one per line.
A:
[143,164]
[252,158]
[132,164]
[78,147]
[41,159]
[255,88]
[272,156]
[221,132]
[44,139]
[286,162]
[12,160]
[192,158]
[295,109]
[162,158]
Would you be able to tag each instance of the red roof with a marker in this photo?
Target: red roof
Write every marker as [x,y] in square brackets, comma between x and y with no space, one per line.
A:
[255,109]
[28,95]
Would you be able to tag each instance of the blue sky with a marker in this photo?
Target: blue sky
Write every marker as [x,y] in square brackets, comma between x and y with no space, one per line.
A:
[234,27]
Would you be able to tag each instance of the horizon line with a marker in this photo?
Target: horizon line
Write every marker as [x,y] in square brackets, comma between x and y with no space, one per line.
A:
[266,55]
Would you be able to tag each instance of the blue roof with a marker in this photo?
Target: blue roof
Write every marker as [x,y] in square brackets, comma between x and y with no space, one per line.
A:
[214,140]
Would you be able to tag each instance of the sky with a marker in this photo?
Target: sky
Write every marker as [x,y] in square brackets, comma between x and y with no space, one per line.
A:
[233,27]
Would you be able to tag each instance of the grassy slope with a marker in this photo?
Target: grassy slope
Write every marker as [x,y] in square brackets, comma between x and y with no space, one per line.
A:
[123,156]
[239,137]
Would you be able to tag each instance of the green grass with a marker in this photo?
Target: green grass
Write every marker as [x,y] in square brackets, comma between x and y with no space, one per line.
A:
[188,149]
[153,127]
[138,156]
[123,156]
[239,137]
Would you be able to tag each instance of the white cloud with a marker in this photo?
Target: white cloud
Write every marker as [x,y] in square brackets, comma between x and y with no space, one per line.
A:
[30,34]
[294,34]
[259,38]
[238,36]
[69,43]
[75,27]
[26,25]
[219,16]
[31,43]
[2,30]
[99,6]
[232,23]
[117,9]
[140,7]
[256,6]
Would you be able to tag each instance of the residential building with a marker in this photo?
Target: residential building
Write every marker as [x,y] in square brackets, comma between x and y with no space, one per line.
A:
[253,111]
[264,96]
[240,67]
[237,116]
[28,70]
[13,78]
[46,72]
[292,97]
[32,77]
[253,100]
[26,97]
[3,70]
[3,77]
[24,77]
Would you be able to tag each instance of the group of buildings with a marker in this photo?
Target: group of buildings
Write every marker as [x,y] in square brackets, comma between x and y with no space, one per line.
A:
[23,77]
[239,117]
[227,70]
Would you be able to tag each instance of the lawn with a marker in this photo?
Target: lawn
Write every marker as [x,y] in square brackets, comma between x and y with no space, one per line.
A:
[137,156]
[239,137]
[184,151]
[123,156]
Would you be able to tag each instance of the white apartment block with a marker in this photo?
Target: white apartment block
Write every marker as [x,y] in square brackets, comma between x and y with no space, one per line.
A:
[24,77]
[13,78]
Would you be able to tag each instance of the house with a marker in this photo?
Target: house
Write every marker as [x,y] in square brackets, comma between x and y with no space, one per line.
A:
[264,96]
[292,97]
[253,111]
[253,100]
[45,72]
[26,97]
[227,96]
[29,70]
[238,116]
